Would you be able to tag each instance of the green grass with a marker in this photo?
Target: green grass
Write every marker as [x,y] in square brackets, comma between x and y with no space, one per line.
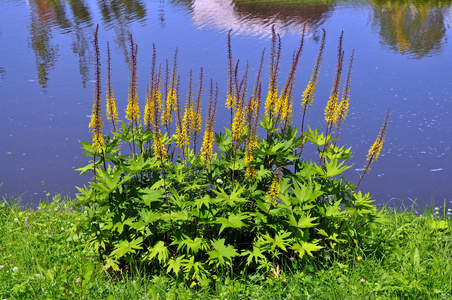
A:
[407,258]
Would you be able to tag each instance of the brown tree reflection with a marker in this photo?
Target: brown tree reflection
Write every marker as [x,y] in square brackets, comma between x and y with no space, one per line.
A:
[414,28]
[74,17]
[40,40]
[117,14]
[256,17]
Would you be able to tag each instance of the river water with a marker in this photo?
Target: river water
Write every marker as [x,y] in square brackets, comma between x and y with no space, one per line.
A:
[402,62]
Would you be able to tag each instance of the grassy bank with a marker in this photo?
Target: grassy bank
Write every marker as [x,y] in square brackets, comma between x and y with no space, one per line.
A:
[409,257]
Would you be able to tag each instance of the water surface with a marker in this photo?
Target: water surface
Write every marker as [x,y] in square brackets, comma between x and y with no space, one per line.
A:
[402,62]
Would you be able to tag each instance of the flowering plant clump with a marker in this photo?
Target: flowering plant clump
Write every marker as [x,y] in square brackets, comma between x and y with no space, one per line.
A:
[240,202]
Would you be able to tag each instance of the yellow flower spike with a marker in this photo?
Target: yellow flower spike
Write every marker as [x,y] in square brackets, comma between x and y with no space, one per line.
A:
[271,101]
[149,108]
[230,98]
[344,104]
[275,187]
[331,110]
[230,101]
[183,130]
[112,112]
[275,55]
[159,148]
[171,104]
[375,150]
[207,144]
[95,124]
[309,92]
[133,110]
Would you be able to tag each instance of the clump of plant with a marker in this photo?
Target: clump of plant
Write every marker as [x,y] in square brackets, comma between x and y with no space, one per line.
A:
[247,200]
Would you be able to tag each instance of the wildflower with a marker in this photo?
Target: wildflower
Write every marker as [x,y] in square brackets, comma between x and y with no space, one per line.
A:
[363,280]
[184,125]
[159,148]
[96,124]
[133,110]
[1,267]
[171,103]
[273,191]
[308,94]
[193,283]
[15,269]
[358,258]
[16,220]
[78,280]
[230,98]
[342,109]
[374,151]
[331,110]
[53,233]
[112,112]
[219,181]
[29,213]
[275,55]
[207,144]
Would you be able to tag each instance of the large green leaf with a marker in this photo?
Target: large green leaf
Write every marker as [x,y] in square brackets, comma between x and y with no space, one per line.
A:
[233,198]
[305,192]
[306,248]
[305,221]
[193,245]
[175,264]
[234,221]
[221,252]
[255,254]
[160,251]
[125,247]
[281,240]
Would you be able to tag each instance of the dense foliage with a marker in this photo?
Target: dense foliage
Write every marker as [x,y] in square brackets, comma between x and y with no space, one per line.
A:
[252,205]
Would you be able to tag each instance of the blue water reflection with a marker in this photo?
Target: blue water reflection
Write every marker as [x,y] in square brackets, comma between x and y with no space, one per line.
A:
[402,62]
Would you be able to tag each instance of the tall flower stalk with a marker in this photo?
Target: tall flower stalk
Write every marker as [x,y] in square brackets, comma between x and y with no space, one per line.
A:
[197,118]
[342,109]
[171,100]
[331,112]
[151,89]
[375,149]
[284,106]
[253,111]
[275,55]
[232,78]
[133,110]
[207,144]
[112,112]
[95,125]
[309,92]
